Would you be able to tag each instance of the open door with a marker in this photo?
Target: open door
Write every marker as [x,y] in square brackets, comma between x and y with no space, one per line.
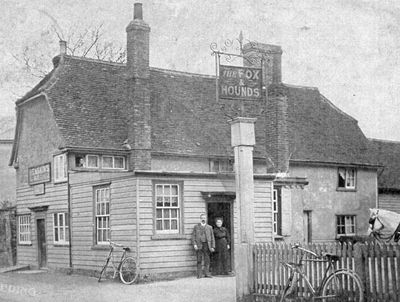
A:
[221,209]
[41,236]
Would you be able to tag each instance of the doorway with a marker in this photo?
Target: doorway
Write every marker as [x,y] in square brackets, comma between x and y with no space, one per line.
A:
[222,209]
[41,235]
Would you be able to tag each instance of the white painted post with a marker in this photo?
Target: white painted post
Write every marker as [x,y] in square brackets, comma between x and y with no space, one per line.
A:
[243,141]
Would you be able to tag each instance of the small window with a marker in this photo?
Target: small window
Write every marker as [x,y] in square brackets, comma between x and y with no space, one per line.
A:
[347,178]
[346,225]
[60,228]
[167,199]
[80,161]
[24,229]
[113,162]
[276,211]
[221,165]
[60,168]
[102,214]
[119,162]
[92,161]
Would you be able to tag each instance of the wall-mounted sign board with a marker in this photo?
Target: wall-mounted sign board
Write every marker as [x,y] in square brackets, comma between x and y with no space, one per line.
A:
[39,174]
[39,189]
[243,83]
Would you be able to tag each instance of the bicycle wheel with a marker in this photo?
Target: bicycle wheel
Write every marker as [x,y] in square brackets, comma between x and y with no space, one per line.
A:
[128,271]
[342,286]
[290,288]
[103,270]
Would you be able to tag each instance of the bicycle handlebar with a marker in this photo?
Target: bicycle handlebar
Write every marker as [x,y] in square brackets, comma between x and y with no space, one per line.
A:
[115,244]
[297,246]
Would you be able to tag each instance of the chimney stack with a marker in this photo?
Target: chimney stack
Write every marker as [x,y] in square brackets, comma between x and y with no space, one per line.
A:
[138,34]
[272,69]
[137,11]
[63,47]
[138,92]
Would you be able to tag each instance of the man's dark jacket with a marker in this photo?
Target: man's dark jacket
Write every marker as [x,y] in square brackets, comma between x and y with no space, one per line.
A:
[209,235]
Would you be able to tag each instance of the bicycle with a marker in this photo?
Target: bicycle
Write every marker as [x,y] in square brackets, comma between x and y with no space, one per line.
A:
[126,269]
[336,285]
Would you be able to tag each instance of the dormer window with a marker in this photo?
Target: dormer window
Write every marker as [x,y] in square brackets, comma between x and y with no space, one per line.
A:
[92,161]
[106,162]
[113,162]
[221,165]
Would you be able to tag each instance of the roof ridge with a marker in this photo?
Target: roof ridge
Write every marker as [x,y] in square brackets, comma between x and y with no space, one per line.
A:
[300,86]
[95,60]
[177,72]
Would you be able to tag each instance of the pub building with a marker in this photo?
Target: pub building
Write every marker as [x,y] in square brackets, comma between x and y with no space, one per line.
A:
[135,154]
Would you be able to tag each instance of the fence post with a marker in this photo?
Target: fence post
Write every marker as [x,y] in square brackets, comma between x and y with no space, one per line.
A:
[359,262]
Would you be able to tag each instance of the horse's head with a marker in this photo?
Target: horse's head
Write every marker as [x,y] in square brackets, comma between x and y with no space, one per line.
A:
[375,224]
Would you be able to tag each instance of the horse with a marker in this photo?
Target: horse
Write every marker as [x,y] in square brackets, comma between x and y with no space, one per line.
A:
[384,225]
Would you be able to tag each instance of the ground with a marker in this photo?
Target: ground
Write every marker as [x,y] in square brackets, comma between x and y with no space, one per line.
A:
[54,286]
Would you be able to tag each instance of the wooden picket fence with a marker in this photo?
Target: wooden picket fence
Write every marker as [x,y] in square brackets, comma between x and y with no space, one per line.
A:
[377,265]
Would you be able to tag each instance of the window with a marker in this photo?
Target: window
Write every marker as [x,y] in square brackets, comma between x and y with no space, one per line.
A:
[60,168]
[102,211]
[24,229]
[60,228]
[92,161]
[221,165]
[167,197]
[276,211]
[346,225]
[347,178]
[113,162]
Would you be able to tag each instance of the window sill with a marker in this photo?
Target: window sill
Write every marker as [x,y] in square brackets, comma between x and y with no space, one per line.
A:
[60,182]
[169,237]
[101,247]
[345,190]
[66,244]
[25,244]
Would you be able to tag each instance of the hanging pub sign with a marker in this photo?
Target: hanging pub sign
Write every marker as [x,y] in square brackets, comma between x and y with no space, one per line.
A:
[39,174]
[243,83]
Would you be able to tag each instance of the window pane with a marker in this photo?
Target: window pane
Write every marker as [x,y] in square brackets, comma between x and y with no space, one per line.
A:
[159,214]
[92,161]
[107,162]
[159,201]
[342,177]
[167,202]
[159,190]
[61,216]
[174,201]
[167,190]
[174,190]
[174,224]
[159,225]
[166,225]
[174,213]
[119,162]
[166,213]
[55,234]
[55,220]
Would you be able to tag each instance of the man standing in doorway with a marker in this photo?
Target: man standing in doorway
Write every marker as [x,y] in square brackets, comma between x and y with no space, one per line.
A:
[204,243]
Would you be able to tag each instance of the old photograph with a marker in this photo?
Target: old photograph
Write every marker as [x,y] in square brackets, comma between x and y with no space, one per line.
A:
[173,150]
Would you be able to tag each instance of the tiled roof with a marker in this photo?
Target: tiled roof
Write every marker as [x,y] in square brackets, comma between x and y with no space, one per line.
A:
[87,99]
[388,154]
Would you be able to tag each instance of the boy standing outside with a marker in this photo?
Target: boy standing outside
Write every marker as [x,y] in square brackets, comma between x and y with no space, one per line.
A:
[204,243]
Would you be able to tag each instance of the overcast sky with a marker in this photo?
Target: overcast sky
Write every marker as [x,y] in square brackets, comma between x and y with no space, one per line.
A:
[349,49]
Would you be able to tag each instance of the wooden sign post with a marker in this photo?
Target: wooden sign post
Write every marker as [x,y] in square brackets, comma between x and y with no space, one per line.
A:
[243,141]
